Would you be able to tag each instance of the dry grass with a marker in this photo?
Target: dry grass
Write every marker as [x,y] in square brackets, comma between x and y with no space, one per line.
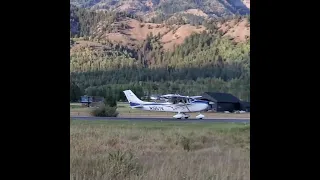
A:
[159,151]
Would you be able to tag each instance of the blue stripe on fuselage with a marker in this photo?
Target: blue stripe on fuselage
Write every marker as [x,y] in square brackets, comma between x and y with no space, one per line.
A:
[154,104]
[134,104]
[151,104]
[201,101]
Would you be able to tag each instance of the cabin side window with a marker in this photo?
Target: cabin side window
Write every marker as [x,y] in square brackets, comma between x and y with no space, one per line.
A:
[174,100]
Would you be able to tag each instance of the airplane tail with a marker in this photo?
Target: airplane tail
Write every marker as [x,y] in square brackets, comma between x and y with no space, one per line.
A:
[132,98]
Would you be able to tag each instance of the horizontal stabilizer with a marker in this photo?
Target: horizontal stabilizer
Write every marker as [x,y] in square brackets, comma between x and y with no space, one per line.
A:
[135,105]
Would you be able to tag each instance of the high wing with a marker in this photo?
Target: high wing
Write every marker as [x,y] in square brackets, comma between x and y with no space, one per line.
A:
[170,96]
[195,97]
[177,99]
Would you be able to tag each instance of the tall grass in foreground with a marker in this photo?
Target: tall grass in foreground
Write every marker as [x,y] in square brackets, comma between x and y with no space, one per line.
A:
[133,152]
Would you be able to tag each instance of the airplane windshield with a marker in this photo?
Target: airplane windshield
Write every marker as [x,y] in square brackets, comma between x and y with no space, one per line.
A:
[176,100]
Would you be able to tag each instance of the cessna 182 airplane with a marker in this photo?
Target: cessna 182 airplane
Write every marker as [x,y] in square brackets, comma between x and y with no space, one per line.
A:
[173,103]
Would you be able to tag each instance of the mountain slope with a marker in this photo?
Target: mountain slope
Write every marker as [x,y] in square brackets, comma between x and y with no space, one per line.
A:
[181,49]
[135,32]
[168,7]
[123,29]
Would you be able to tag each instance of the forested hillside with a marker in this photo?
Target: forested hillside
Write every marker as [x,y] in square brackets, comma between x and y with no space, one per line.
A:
[114,51]
[168,7]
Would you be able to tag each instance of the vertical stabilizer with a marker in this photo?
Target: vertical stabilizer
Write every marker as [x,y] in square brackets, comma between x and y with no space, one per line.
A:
[132,98]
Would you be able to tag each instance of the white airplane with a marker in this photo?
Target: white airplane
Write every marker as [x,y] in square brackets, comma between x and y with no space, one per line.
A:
[174,103]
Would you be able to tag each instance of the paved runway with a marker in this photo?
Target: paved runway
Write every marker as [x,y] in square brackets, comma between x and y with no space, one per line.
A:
[221,120]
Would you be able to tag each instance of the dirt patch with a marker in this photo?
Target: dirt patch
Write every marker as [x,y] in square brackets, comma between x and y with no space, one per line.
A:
[178,35]
[196,12]
[238,30]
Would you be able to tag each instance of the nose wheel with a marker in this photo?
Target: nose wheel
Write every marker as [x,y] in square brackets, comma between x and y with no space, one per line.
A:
[200,116]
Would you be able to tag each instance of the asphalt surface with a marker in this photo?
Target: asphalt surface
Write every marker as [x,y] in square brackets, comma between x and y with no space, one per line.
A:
[220,120]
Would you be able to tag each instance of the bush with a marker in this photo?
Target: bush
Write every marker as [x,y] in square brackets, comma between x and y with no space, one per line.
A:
[105,111]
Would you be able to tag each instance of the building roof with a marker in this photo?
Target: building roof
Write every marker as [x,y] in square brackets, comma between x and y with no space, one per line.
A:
[221,97]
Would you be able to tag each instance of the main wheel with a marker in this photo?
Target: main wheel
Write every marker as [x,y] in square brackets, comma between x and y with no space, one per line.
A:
[186,117]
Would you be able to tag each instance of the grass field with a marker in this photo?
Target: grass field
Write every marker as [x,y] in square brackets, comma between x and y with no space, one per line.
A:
[159,150]
[125,111]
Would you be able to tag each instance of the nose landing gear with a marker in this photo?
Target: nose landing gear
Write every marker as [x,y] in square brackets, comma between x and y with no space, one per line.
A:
[200,116]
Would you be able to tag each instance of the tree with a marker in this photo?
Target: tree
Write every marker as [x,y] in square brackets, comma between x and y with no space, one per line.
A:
[110,101]
[75,92]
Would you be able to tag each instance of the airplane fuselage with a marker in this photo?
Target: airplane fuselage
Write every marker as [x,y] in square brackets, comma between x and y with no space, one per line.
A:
[168,107]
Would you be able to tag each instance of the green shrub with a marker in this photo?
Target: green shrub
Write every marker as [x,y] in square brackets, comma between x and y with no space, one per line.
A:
[105,111]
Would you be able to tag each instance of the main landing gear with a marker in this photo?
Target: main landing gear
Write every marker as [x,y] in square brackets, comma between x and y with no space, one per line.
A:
[181,115]
[186,116]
